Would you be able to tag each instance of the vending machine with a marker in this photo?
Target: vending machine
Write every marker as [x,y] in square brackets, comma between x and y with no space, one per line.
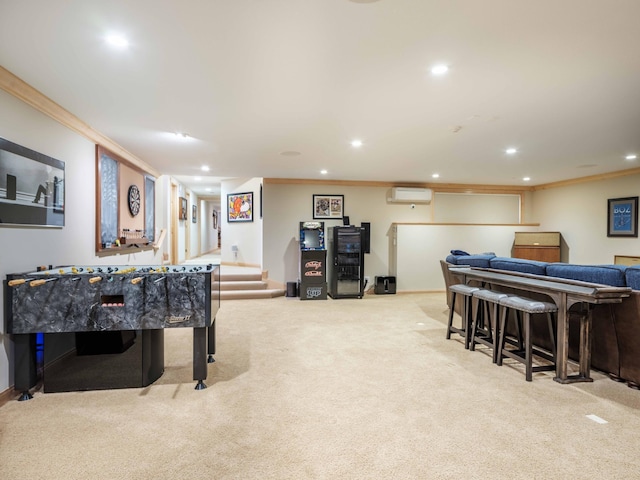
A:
[313,260]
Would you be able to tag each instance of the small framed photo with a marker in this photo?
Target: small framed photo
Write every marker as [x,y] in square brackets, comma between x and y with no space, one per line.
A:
[622,217]
[240,207]
[328,207]
[182,214]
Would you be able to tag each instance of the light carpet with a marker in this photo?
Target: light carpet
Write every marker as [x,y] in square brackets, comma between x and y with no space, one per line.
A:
[338,389]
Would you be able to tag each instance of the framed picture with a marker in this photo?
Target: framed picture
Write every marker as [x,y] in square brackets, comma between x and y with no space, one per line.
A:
[182,214]
[32,187]
[240,207]
[622,217]
[194,214]
[328,206]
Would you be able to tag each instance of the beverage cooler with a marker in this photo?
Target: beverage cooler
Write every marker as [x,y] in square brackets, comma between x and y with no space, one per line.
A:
[345,262]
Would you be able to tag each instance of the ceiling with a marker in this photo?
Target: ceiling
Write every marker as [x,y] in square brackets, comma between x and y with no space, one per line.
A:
[279,88]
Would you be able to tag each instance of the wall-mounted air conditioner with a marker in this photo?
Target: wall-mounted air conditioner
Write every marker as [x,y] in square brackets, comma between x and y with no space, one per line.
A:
[410,195]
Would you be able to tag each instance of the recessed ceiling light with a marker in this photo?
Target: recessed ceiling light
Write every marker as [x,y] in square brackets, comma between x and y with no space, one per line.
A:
[323,172]
[526,179]
[117,40]
[631,157]
[435,175]
[182,136]
[511,151]
[208,189]
[356,143]
[197,179]
[439,69]
[204,168]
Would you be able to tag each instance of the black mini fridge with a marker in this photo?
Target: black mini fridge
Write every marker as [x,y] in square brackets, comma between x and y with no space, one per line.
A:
[345,262]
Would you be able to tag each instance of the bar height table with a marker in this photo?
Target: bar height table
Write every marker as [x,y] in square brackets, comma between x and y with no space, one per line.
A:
[565,294]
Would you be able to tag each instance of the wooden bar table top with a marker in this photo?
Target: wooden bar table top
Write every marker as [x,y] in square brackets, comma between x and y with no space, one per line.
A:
[564,293]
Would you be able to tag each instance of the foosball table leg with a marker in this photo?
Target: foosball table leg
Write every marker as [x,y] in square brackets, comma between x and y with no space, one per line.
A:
[25,396]
[200,356]
[25,364]
[211,341]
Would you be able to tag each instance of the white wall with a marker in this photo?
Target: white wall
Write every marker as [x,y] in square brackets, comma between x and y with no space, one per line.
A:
[286,205]
[476,208]
[247,236]
[208,234]
[24,248]
[579,212]
[194,229]
[419,249]
[181,234]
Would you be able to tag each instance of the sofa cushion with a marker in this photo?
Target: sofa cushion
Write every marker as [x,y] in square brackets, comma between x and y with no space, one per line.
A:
[519,265]
[613,275]
[478,260]
[453,259]
[632,276]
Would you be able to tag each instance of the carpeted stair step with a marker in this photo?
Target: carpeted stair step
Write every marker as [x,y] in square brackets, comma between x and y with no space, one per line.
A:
[250,294]
[238,285]
[239,277]
[243,285]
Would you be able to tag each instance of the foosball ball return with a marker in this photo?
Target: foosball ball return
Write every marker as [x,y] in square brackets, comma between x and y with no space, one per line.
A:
[99,327]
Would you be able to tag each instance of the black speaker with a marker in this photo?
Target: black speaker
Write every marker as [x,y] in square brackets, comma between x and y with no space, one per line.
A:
[345,221]
[366,237]
[292,289]
[385,285]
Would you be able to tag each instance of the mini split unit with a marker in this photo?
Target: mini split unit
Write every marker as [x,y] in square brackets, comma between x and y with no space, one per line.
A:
[410,195]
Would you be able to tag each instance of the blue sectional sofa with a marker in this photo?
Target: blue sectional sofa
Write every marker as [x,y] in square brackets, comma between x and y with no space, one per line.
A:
[615,329]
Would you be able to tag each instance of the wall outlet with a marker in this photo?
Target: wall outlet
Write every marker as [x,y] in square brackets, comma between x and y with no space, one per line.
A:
[367,280]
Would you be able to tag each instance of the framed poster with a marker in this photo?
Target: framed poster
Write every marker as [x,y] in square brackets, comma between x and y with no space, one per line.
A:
[328,207]
[622,217]
[240,207]
[32,187]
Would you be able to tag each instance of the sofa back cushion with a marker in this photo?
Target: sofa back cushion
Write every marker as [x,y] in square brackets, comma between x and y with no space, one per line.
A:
[476,260]
[613,275]
[479,260]
[632,276]
[519,265]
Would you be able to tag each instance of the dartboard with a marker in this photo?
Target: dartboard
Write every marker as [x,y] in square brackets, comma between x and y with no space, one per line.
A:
[134,200]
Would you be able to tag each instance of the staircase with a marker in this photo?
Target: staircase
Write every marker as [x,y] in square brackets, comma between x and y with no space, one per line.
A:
[237,285]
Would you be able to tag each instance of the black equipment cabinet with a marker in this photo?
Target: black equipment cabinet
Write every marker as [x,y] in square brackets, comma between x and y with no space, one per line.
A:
[345,259]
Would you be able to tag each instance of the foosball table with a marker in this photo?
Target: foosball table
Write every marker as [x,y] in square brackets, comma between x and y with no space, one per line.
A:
[103,326]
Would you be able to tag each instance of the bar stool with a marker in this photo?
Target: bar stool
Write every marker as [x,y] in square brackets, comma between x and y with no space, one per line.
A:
[526,307]
[485,328]
[466,291]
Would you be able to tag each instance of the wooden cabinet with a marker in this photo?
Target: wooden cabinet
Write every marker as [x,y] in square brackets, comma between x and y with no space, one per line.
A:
[627,260]
[541,246]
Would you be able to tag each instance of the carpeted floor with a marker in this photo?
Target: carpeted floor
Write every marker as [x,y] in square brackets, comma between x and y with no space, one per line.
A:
[336,389]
